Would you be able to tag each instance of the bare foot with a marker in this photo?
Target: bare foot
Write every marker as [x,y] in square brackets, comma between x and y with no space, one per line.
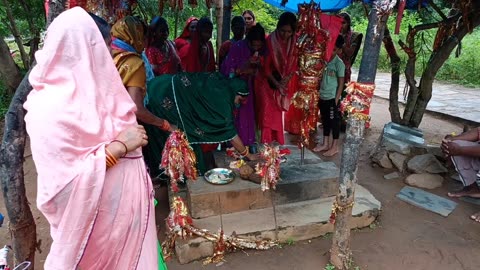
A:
[252,157]
[476,217]
[468,191]
[320,148]
[331,152]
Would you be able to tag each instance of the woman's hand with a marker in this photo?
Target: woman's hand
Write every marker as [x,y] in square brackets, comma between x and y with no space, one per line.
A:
[133,137]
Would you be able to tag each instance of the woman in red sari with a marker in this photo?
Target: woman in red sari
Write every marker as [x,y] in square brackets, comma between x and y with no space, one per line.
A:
[160,51]
[182,43]
[200,56]
[277,79]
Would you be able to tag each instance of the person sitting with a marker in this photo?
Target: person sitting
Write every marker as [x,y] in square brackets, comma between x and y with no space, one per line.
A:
[202,105]
[127,47]
[464,151]
[160,51]
[200,56]
[238,30]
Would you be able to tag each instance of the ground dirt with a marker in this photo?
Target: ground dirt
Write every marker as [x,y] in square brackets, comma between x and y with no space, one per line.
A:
[404,237]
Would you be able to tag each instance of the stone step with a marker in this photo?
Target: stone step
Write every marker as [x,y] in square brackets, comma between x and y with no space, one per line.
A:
[315,179]
[288,222]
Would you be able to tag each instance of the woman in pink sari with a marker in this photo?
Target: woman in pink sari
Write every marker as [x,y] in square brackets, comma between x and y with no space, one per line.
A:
[93,187]
[277,79]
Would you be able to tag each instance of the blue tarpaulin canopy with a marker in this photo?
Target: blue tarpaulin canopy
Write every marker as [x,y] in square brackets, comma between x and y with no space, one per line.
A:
[333,5]
[325,5]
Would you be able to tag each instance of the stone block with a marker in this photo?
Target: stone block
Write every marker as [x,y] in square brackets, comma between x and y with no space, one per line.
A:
[399,160]
[315,179]
[391,176]
[424,180]
[394,145]
[411,136]
[436,151]
[294,221]
[426,163]
[192,249]
[380,157]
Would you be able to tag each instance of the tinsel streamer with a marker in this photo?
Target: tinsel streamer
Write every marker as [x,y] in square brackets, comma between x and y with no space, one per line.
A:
[311,45]
[269,169]
[357,102]
[179,223]
[178,159]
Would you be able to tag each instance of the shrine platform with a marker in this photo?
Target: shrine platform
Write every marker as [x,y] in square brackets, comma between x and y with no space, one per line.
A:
[298,209]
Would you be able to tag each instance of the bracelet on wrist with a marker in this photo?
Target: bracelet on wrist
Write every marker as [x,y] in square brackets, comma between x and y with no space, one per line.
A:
[124,145]
[110,159]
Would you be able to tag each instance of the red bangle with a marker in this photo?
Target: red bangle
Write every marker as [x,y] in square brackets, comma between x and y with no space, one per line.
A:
[124,145]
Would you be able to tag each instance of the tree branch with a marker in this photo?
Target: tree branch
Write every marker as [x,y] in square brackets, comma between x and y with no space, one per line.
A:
[437,9]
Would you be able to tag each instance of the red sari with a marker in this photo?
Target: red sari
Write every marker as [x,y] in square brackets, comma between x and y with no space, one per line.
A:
[163,61]
[200,58]
[182,43]
[282,57]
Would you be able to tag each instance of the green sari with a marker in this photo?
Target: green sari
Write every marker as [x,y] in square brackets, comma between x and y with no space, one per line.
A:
[200,104]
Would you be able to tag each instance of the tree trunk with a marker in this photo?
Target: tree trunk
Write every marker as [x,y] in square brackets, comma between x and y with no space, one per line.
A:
[219,15]
[9,71]
[372,45]
[227,17]
[395,83]
[34,42]
[16,35]
[340,252]
[434,64]
[418,100]
[22,225]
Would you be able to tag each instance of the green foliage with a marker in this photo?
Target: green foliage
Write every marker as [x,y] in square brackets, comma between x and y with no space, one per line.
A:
[4,99]
[329,267]
[265,14]
[460,70]
[37,14]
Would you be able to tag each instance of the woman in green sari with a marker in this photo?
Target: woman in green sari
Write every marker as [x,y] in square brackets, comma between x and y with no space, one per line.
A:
[202,105]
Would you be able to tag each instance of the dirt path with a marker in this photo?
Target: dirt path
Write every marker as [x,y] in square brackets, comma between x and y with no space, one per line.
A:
[405,237]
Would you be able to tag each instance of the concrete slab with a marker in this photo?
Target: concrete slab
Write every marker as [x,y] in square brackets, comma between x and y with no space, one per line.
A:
[427,201]
[413,136]
[295,221]
[315,179]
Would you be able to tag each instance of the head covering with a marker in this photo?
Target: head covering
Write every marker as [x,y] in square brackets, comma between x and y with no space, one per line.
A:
[78,104]
[128,45]
[131,31]
[186,31]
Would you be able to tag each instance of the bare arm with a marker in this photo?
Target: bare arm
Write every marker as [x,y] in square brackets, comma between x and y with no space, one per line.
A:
[143,115]
[240,147]
[340,81]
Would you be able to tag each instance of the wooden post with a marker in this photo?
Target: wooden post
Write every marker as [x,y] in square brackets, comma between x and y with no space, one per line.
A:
[340,253]
[227,17]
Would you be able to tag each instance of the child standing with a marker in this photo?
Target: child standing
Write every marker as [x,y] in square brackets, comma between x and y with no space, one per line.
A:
[330,91]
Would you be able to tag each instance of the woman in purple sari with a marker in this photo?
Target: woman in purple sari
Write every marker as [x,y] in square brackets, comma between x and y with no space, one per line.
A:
[244,60]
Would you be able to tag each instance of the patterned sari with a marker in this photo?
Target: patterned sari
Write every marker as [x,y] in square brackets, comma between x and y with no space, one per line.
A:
[163,60]
[282,58]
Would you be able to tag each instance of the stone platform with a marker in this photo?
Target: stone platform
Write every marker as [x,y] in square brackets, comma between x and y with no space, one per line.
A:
[314,180]
[298,209]
[287,222]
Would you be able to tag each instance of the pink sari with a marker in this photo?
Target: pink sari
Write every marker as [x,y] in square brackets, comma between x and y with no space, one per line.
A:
[99,218]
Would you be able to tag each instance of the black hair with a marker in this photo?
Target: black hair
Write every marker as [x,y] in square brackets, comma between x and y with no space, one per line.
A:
[238,20]
[257,32]
[204,23]
[102,25]
[339,42]
[249,12]
[346,17]
[287,18]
